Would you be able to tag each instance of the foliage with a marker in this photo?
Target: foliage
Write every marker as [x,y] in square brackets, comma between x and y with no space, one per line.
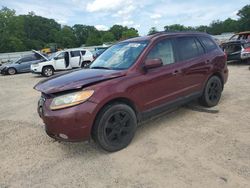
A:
[94,38]
[129,33]
[152,31]
[108,37]
[26,32]
[217,27]
[244,21]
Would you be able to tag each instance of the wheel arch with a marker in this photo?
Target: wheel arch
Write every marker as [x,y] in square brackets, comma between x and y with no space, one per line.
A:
[219,75]
[85,61]
[122,100]
[48,66]
[12,68]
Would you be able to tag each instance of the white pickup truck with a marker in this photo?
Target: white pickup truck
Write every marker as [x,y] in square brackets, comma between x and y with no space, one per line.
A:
[63,60]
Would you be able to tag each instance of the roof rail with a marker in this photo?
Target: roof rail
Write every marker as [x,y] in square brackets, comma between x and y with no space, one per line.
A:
[172,32]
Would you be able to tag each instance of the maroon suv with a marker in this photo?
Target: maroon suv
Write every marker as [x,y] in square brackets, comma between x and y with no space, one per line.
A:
[129,82]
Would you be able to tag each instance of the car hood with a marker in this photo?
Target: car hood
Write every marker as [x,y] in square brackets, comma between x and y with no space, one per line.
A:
[236,42]
[38,53]
[76,80]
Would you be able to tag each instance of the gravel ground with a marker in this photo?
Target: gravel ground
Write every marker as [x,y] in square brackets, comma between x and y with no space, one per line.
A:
[184,148]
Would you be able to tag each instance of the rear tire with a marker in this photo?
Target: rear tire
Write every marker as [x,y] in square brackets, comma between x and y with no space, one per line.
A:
[114,127]
[212,92]
[11,71]
[85,64]
[47,71]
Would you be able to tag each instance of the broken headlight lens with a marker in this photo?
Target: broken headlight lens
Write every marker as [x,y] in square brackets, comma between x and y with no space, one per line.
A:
[70,99]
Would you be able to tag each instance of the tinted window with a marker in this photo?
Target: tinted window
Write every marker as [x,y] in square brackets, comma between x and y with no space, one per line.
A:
[189,48]
[75,53]
[83,52]
[61,55]
[208,43]
[164,51]
[28,58]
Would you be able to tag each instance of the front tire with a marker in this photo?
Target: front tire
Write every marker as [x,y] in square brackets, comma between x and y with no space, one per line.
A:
[47,71]
[212,92]
[115,127]
[11,71]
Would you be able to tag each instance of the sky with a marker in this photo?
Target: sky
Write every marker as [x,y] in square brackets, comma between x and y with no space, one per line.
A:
[140,14]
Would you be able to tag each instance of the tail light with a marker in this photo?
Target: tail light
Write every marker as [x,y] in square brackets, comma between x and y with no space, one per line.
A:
[247,50]
[225,54]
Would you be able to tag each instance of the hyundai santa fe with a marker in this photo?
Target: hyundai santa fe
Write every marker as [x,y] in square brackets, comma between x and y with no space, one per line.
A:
[131,81]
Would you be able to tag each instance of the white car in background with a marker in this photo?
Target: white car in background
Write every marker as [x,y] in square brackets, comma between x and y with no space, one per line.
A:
[63,60]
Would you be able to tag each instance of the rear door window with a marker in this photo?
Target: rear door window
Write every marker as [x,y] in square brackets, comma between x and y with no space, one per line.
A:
[188,48]
[164,51]
[75,53]
[208,43]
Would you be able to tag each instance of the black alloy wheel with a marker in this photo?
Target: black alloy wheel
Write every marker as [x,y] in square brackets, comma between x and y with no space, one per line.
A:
[212,92]
[115,127]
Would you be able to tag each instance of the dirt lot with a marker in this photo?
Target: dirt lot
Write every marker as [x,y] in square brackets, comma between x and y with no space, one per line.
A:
[185,148]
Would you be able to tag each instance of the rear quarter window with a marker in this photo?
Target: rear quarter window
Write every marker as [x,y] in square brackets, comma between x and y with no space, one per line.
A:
[188,48]
[83,52]
[208,43]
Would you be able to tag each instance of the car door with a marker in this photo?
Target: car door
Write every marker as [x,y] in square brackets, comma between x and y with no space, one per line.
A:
[160,85]
[192,64]
[75,59]
[24,63]
[62,61]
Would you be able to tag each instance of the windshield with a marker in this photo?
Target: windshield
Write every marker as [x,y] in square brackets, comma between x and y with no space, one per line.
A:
[53,55]
[120,56]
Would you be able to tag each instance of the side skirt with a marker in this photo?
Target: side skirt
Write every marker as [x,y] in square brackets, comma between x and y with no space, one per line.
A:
[167,107]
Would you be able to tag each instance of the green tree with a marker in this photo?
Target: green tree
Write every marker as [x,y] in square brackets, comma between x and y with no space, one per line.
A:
[66,38]
[94,39]
[82,33]
[117,31]
[108,37]
[152,30]
[175,27]
[244,21]
[130,33]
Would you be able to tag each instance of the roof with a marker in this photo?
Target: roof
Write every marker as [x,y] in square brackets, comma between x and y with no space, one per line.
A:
[164,33]
[243,33]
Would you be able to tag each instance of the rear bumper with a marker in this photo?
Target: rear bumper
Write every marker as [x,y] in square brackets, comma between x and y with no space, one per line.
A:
[225,75]
[70,124]
[245,55]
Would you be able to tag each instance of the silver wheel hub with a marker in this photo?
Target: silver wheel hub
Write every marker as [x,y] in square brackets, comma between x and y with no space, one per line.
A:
[11,71]
[48,72]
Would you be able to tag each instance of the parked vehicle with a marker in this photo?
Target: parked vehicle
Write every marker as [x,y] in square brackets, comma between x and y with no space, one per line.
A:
[22,64]
[98,52]
[238,47]
[131,81]
[50,48]
[63,60]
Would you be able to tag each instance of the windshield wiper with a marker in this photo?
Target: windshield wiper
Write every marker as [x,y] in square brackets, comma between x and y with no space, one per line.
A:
[99,67]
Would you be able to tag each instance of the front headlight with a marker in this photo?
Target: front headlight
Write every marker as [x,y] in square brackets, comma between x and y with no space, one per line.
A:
[70,99]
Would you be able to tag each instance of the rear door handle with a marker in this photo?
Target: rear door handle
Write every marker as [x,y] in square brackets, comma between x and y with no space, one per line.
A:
[176,72]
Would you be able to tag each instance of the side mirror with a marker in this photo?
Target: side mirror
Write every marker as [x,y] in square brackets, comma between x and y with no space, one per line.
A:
[55,58]
[152,63]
